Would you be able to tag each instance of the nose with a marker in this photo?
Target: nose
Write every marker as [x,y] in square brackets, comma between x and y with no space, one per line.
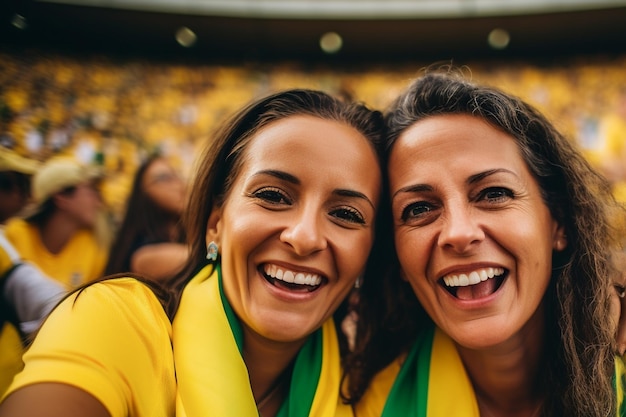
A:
[305,232]
[461,228]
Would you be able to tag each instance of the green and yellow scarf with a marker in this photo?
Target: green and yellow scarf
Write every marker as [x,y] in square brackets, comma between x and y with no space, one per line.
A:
[432,382]
[425,382]
[212,376]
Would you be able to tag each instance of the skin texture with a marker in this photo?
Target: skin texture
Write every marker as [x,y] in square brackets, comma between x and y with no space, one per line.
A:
[486,212]
[164,186]
[76,402]
[82,205]
[282,212]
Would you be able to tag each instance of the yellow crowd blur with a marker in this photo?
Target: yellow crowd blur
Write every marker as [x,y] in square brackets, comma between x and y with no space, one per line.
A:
[113,110]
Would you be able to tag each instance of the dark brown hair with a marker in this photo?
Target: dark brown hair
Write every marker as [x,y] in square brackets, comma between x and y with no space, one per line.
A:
[143,220]
[222,159]
[578,344]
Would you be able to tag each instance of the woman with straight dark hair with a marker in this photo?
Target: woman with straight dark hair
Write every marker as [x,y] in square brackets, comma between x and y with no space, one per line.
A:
[150,240]
[280,223]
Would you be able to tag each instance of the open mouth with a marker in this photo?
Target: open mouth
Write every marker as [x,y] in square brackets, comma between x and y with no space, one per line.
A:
[291,280]
[475,284]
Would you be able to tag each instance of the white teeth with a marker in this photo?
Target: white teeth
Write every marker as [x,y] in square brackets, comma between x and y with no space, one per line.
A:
[300,278]
[288,276]
[474,277]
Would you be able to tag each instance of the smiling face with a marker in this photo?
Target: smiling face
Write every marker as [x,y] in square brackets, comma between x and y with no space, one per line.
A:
[473,235]
[297,225]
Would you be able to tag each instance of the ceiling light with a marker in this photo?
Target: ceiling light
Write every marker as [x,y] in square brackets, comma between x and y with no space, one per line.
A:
[331,42]
[498,39]
[186,37]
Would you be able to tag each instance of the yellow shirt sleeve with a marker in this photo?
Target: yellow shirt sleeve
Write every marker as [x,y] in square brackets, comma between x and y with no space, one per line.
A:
[113,340]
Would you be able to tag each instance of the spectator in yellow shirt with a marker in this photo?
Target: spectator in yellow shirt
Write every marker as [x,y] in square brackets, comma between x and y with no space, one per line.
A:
[58,232]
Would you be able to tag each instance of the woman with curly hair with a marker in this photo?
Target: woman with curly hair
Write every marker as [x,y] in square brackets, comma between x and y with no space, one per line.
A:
[498,302]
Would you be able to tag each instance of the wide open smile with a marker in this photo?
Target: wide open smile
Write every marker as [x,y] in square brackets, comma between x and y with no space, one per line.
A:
[290,280]
[474,285]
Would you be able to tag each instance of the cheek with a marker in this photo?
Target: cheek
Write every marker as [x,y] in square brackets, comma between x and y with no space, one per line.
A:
[352,252]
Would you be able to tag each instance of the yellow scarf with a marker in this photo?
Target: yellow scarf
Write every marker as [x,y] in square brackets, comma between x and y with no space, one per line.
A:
[432,382]
[212,376]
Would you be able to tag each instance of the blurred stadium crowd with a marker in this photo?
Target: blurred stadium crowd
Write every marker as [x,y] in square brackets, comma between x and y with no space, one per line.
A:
[115,112]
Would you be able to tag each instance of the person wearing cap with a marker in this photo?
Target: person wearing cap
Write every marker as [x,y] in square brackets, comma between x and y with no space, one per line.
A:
[26,294]
[15,175]
[58,232]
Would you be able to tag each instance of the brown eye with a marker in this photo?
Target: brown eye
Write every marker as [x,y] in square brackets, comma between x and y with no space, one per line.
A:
[620,289]
[272,196]
[348,214]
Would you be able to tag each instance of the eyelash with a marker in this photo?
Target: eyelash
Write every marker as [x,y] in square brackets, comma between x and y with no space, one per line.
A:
[422,205]
[350,215]
[501,195]
[274,196]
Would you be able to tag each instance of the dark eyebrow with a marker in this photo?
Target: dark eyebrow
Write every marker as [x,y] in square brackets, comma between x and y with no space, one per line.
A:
[351,193]
[281,175]
[416,188]
[481,175]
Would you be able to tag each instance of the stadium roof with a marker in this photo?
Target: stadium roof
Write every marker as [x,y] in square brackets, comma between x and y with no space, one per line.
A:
[335,30]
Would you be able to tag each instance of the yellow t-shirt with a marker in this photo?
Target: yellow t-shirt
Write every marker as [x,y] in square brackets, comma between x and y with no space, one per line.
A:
[10,355]
[81,260]
[112,340]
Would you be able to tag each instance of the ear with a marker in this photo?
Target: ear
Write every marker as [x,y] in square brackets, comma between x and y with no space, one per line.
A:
[214,226]
[559,242]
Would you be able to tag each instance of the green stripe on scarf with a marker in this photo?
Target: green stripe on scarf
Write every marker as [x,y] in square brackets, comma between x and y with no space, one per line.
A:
[409,393]
[306,370]
[432,381]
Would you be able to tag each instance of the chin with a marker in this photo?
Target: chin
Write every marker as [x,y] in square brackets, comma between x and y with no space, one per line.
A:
[480,336]
[285,330]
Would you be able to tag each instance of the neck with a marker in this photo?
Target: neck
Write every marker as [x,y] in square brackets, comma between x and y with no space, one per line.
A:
[269,367]
[56,232]
[507,378]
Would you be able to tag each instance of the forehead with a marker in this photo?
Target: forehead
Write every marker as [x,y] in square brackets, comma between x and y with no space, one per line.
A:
[158,166]
[320,151]
[312,139]
[451,148]
[453,136]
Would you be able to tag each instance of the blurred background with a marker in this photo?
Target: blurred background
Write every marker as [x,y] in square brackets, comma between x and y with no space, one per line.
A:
[112,81]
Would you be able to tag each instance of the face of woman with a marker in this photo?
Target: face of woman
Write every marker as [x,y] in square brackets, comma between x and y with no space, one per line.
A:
[164,187]
[296,228]
[473,235]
